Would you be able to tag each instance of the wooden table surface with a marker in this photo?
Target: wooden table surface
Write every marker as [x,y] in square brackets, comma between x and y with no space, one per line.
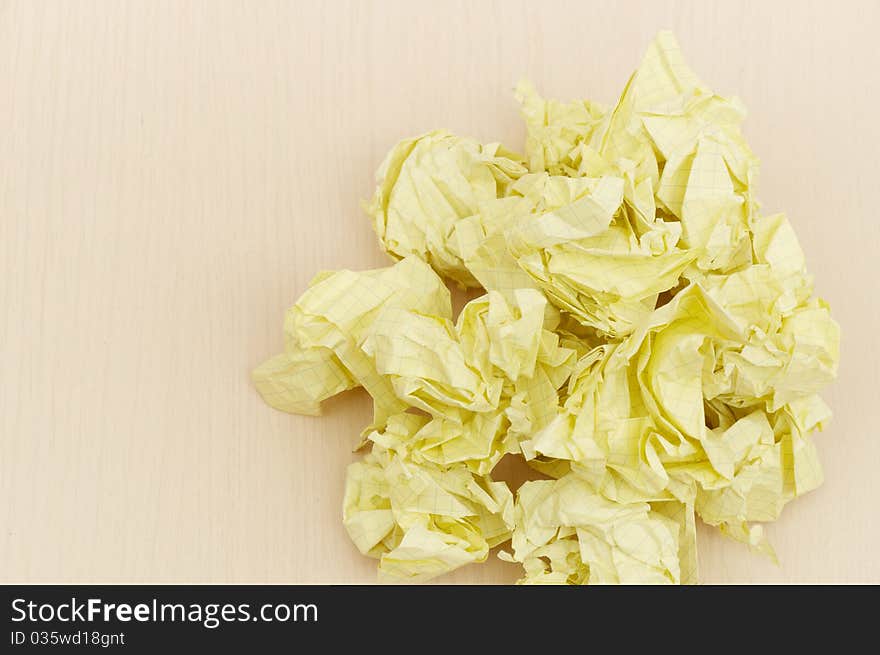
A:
[173,173]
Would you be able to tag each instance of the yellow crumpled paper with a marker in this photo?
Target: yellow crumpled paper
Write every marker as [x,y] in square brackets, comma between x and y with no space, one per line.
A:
[647,341]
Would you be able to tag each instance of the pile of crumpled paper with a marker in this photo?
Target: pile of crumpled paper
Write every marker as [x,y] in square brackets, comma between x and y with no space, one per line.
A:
[647,341]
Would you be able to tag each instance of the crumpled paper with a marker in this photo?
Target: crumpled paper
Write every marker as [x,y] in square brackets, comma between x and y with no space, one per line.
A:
[647,341]
[426,185]
[422,520]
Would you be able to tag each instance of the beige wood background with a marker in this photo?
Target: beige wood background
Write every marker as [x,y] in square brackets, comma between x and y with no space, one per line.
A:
[173,173]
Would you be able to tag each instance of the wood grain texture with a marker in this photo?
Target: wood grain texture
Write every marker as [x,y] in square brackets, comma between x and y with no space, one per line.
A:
[173,173]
